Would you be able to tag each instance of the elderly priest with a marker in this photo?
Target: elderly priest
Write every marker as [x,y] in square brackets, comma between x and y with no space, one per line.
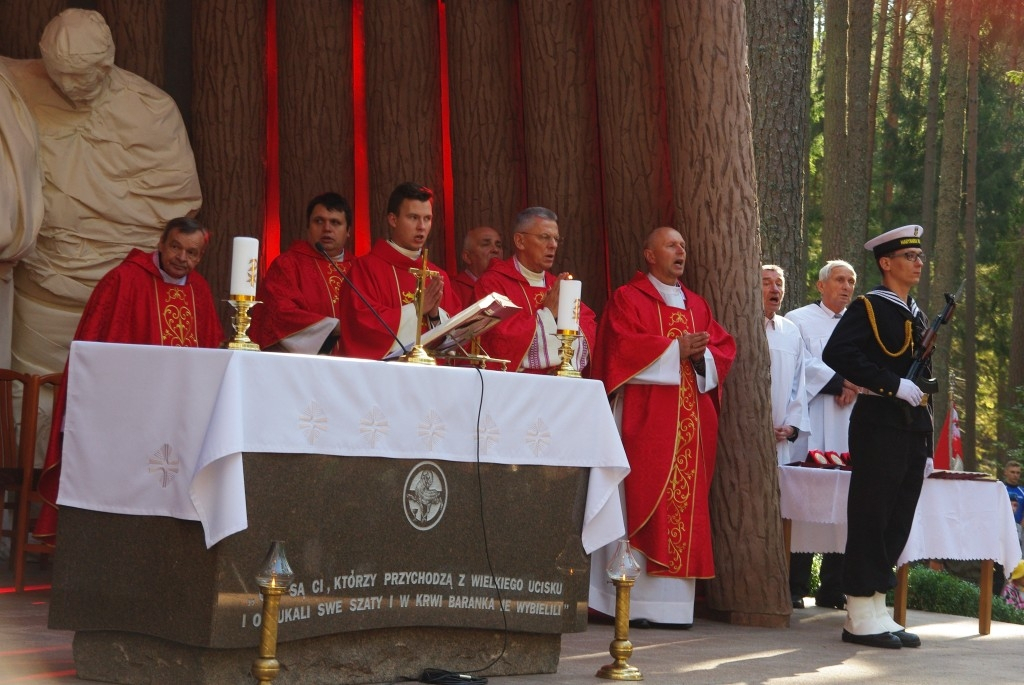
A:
[663,359]
[528,339]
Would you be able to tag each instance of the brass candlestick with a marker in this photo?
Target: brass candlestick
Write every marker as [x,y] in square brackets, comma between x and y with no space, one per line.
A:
[241,321]
[274,578]
[623,571]
[418,355]
[567,338]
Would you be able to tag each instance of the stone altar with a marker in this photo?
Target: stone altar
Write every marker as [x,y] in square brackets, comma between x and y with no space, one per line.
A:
[400,565]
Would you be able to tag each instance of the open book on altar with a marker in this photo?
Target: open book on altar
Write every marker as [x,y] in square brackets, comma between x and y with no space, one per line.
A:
[471,322]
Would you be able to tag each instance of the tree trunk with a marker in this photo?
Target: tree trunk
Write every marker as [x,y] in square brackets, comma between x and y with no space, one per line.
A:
[636,182]
[229,41]
[930,169]
[403,104]
[890,138]
[835,194]
[486,120]
[713,177]
[859,121]
[314,77]
[969,325]
[876,72]
[780,88]
[947,247]
[23,24]
[563,147]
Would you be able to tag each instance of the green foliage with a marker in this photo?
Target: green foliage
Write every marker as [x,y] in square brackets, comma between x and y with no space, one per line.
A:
[942,593]
[897,192]
[815,582]
[1014,417]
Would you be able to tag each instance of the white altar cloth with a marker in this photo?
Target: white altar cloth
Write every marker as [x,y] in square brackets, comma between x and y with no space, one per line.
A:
[160,431]
[955,519]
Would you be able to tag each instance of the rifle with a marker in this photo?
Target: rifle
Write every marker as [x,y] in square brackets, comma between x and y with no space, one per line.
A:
[924,351]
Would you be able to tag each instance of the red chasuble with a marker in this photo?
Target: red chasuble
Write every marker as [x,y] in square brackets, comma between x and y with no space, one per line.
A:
[669,432]
[301,288]
[383,277]
[465,287]
[133,305]
[511,339]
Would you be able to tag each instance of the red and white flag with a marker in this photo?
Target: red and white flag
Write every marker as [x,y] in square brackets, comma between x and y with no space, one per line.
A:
[949,451]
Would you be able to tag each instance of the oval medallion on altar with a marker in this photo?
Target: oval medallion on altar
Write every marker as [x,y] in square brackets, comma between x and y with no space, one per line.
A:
[426,495]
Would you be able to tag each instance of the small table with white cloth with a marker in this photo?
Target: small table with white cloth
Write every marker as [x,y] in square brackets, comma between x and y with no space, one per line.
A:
[955,519]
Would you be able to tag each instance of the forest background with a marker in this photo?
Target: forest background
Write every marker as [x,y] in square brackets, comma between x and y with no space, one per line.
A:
[872,115]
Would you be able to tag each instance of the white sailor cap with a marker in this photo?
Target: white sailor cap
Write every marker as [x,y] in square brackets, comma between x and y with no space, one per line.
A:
[896,239]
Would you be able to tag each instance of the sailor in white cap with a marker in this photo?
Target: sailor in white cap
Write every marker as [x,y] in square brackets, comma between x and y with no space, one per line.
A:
[890,434]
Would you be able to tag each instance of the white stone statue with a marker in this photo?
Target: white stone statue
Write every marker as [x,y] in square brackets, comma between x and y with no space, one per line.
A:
[117,165]
[21,197]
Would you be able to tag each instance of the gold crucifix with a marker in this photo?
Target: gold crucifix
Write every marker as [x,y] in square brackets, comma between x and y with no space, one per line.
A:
[418,355]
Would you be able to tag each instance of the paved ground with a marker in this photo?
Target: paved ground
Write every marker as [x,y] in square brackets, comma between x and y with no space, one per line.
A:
[808,653]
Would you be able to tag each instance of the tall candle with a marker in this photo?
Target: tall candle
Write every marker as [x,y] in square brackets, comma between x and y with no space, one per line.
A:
[569,305]
[244,257]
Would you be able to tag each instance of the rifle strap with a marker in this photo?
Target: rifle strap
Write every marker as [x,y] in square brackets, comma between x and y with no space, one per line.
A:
[907,343]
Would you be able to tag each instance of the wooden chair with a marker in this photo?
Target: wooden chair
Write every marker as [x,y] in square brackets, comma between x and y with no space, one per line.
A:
[15,426]
[29,494]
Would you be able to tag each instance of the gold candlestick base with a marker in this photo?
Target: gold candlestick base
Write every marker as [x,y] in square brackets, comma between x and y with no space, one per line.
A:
[566,370]
[266,666]
[241,322]
[621,648]
[418,355]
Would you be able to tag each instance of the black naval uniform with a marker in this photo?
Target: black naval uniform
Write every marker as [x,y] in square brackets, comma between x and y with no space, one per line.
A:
[889,440]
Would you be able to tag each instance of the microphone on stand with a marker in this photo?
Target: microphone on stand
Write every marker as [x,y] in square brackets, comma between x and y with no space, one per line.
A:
[348,281]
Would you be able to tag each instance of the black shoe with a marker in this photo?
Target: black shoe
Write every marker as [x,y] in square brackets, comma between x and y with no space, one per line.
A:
[798,602]
[884,640]
[831,602]
[907,639]
[641,623]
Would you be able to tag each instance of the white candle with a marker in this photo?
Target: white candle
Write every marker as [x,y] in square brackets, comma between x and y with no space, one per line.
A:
[244,258]
[569,305]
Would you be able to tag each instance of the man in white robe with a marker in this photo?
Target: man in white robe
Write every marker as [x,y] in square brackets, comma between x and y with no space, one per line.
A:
[830,403]
[786,348]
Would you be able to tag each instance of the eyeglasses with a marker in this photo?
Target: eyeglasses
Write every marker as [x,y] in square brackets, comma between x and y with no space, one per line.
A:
[910,256]
[545,237]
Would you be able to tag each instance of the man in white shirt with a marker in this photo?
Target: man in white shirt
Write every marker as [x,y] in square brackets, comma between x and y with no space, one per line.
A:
[830,402]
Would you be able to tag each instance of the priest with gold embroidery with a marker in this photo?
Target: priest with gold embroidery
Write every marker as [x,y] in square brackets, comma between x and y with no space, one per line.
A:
[663,358]
[151,298]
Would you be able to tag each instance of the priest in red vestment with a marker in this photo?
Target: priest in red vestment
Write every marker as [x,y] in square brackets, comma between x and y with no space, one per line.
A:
[151,298]
[480,246]
[527,338]
[300,308]
[384,278]
[663,359]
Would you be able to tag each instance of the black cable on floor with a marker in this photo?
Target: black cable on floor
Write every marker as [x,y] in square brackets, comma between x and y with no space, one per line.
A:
[438,676]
